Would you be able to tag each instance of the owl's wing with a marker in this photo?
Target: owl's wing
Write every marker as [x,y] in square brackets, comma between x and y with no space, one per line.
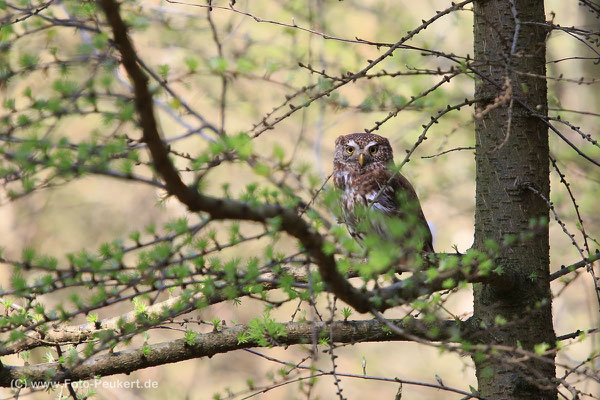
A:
[403,199]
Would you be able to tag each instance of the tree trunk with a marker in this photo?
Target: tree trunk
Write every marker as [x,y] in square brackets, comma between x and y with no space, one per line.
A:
[512,176]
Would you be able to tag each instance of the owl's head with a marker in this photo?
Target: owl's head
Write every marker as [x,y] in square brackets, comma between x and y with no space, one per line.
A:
[361,150]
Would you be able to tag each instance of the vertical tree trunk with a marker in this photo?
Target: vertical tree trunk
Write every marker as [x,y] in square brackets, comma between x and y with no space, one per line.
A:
[511,157]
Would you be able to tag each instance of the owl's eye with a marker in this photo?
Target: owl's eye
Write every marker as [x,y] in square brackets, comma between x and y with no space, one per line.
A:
[373,149]
[349,149]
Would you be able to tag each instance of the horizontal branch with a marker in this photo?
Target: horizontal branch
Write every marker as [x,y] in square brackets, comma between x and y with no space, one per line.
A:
[573,267]
[209,344]
[77,334]
[418,285]
[401,292]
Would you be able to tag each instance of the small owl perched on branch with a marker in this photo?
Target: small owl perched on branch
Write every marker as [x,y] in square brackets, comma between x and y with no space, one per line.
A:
[360,171]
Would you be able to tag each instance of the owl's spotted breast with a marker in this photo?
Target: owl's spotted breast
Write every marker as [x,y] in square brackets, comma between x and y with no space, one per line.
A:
[363,189]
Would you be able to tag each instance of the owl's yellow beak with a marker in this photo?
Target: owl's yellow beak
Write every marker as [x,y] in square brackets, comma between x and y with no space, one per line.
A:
[361,159]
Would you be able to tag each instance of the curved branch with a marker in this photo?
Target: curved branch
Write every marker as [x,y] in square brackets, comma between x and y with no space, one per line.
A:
[219,208]
[290,222]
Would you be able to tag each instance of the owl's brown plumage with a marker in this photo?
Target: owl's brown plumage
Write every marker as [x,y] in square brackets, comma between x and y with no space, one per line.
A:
[360,171]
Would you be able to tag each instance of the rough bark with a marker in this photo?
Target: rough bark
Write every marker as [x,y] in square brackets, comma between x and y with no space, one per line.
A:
[512,176]
[209,344]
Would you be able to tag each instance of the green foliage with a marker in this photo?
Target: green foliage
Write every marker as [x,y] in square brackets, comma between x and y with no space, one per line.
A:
[163,71]
[147,350]
[262,331]
[218,64]
[179,226]
[192,63]
[448,283]
[262,169]
[28,60]
[346,312]
[245,65]
[191,337]
[92,318]
[541,348]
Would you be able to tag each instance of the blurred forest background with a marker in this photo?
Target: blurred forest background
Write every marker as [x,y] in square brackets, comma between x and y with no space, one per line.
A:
[262,55]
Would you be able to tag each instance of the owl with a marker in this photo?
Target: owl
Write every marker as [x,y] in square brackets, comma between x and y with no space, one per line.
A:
[360,171]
